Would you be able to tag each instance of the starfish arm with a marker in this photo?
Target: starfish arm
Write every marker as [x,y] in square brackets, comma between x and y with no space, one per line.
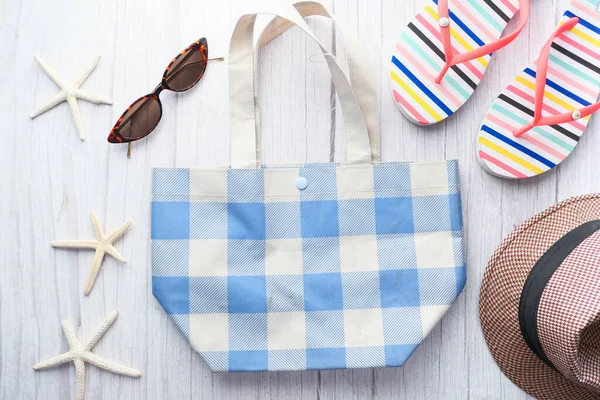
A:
[97,228]
[54,361]
[79,379]
[48,104]
[110,249]
[87,71]
[52,74]
[110,365]
[92,97]
[70,334]
[102,328]
[119,232]
[94,271]
[72,100]
[75,244]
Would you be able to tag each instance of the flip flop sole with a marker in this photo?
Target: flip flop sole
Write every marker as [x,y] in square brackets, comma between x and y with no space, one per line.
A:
[573,81]
[418,57]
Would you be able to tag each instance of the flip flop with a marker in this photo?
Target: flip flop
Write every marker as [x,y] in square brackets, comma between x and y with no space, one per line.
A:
[537,121]
[444,52]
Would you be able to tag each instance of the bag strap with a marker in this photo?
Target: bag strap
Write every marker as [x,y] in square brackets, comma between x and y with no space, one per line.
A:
[359,71]
[242,99]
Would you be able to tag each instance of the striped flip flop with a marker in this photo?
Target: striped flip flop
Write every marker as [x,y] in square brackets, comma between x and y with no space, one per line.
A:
[537,121]
[445,50]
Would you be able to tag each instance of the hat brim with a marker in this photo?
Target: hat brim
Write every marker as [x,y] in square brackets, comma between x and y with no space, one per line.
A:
[500,293]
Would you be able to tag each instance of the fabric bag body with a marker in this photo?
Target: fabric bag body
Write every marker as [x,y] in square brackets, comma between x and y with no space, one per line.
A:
[301,267]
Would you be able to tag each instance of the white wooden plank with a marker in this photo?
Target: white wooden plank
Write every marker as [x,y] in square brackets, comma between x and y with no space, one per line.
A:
[51,180]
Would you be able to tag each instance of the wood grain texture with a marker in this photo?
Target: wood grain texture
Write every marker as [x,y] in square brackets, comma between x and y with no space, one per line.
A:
[50,180]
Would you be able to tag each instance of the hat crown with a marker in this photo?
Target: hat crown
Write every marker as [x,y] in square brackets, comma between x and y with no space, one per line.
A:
[568,318]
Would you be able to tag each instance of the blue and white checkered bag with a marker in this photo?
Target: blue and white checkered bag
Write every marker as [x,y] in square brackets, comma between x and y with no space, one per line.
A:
[306,267]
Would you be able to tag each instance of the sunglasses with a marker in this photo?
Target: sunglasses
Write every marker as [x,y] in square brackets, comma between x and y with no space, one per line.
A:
[142,117]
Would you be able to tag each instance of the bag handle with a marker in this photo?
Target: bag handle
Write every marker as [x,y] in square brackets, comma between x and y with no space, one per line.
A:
[359,71]
[242,101]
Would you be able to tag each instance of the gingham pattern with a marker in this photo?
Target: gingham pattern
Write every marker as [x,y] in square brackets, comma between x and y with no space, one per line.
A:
[351,272]
[572,83]
[501,289]
[569,315]
[419,57]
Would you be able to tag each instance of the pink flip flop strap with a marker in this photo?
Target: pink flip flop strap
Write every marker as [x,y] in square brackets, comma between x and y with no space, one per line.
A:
[540,86]
[457,58]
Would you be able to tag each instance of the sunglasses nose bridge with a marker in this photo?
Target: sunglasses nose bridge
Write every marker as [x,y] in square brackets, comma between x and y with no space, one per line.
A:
[158,89]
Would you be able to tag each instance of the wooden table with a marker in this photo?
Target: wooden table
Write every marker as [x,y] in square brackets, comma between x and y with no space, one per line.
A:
[50,180]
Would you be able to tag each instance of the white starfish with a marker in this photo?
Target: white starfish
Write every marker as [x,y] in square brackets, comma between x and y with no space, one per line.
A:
[70,92]
[103,244]
[80,353]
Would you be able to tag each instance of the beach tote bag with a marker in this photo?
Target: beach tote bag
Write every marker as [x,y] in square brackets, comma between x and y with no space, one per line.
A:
[303,267]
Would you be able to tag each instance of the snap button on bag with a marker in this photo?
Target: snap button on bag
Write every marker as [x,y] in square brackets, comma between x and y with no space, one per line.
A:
[301,183]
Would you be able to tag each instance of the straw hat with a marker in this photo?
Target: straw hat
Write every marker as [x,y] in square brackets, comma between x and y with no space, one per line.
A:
[539,303]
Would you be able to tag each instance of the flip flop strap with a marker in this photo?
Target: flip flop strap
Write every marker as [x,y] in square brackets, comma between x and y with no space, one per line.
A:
[453,58]
[540,88]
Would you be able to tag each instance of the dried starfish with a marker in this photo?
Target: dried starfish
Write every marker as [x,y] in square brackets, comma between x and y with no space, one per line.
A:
[70,92]
[80,353]
[103,244]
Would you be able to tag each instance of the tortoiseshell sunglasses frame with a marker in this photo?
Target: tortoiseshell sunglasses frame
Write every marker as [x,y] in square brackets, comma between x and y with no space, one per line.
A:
[115,136]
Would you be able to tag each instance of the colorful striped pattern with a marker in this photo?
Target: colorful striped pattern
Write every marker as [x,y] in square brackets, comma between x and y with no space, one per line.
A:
[573,82]
[419,57]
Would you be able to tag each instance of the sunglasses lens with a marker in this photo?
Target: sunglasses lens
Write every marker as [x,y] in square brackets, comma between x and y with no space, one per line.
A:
[141,119]
[187,70]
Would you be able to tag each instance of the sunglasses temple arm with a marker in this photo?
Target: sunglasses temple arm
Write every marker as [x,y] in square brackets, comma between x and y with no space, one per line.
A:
[182,63]
[129,150]
[183,67]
